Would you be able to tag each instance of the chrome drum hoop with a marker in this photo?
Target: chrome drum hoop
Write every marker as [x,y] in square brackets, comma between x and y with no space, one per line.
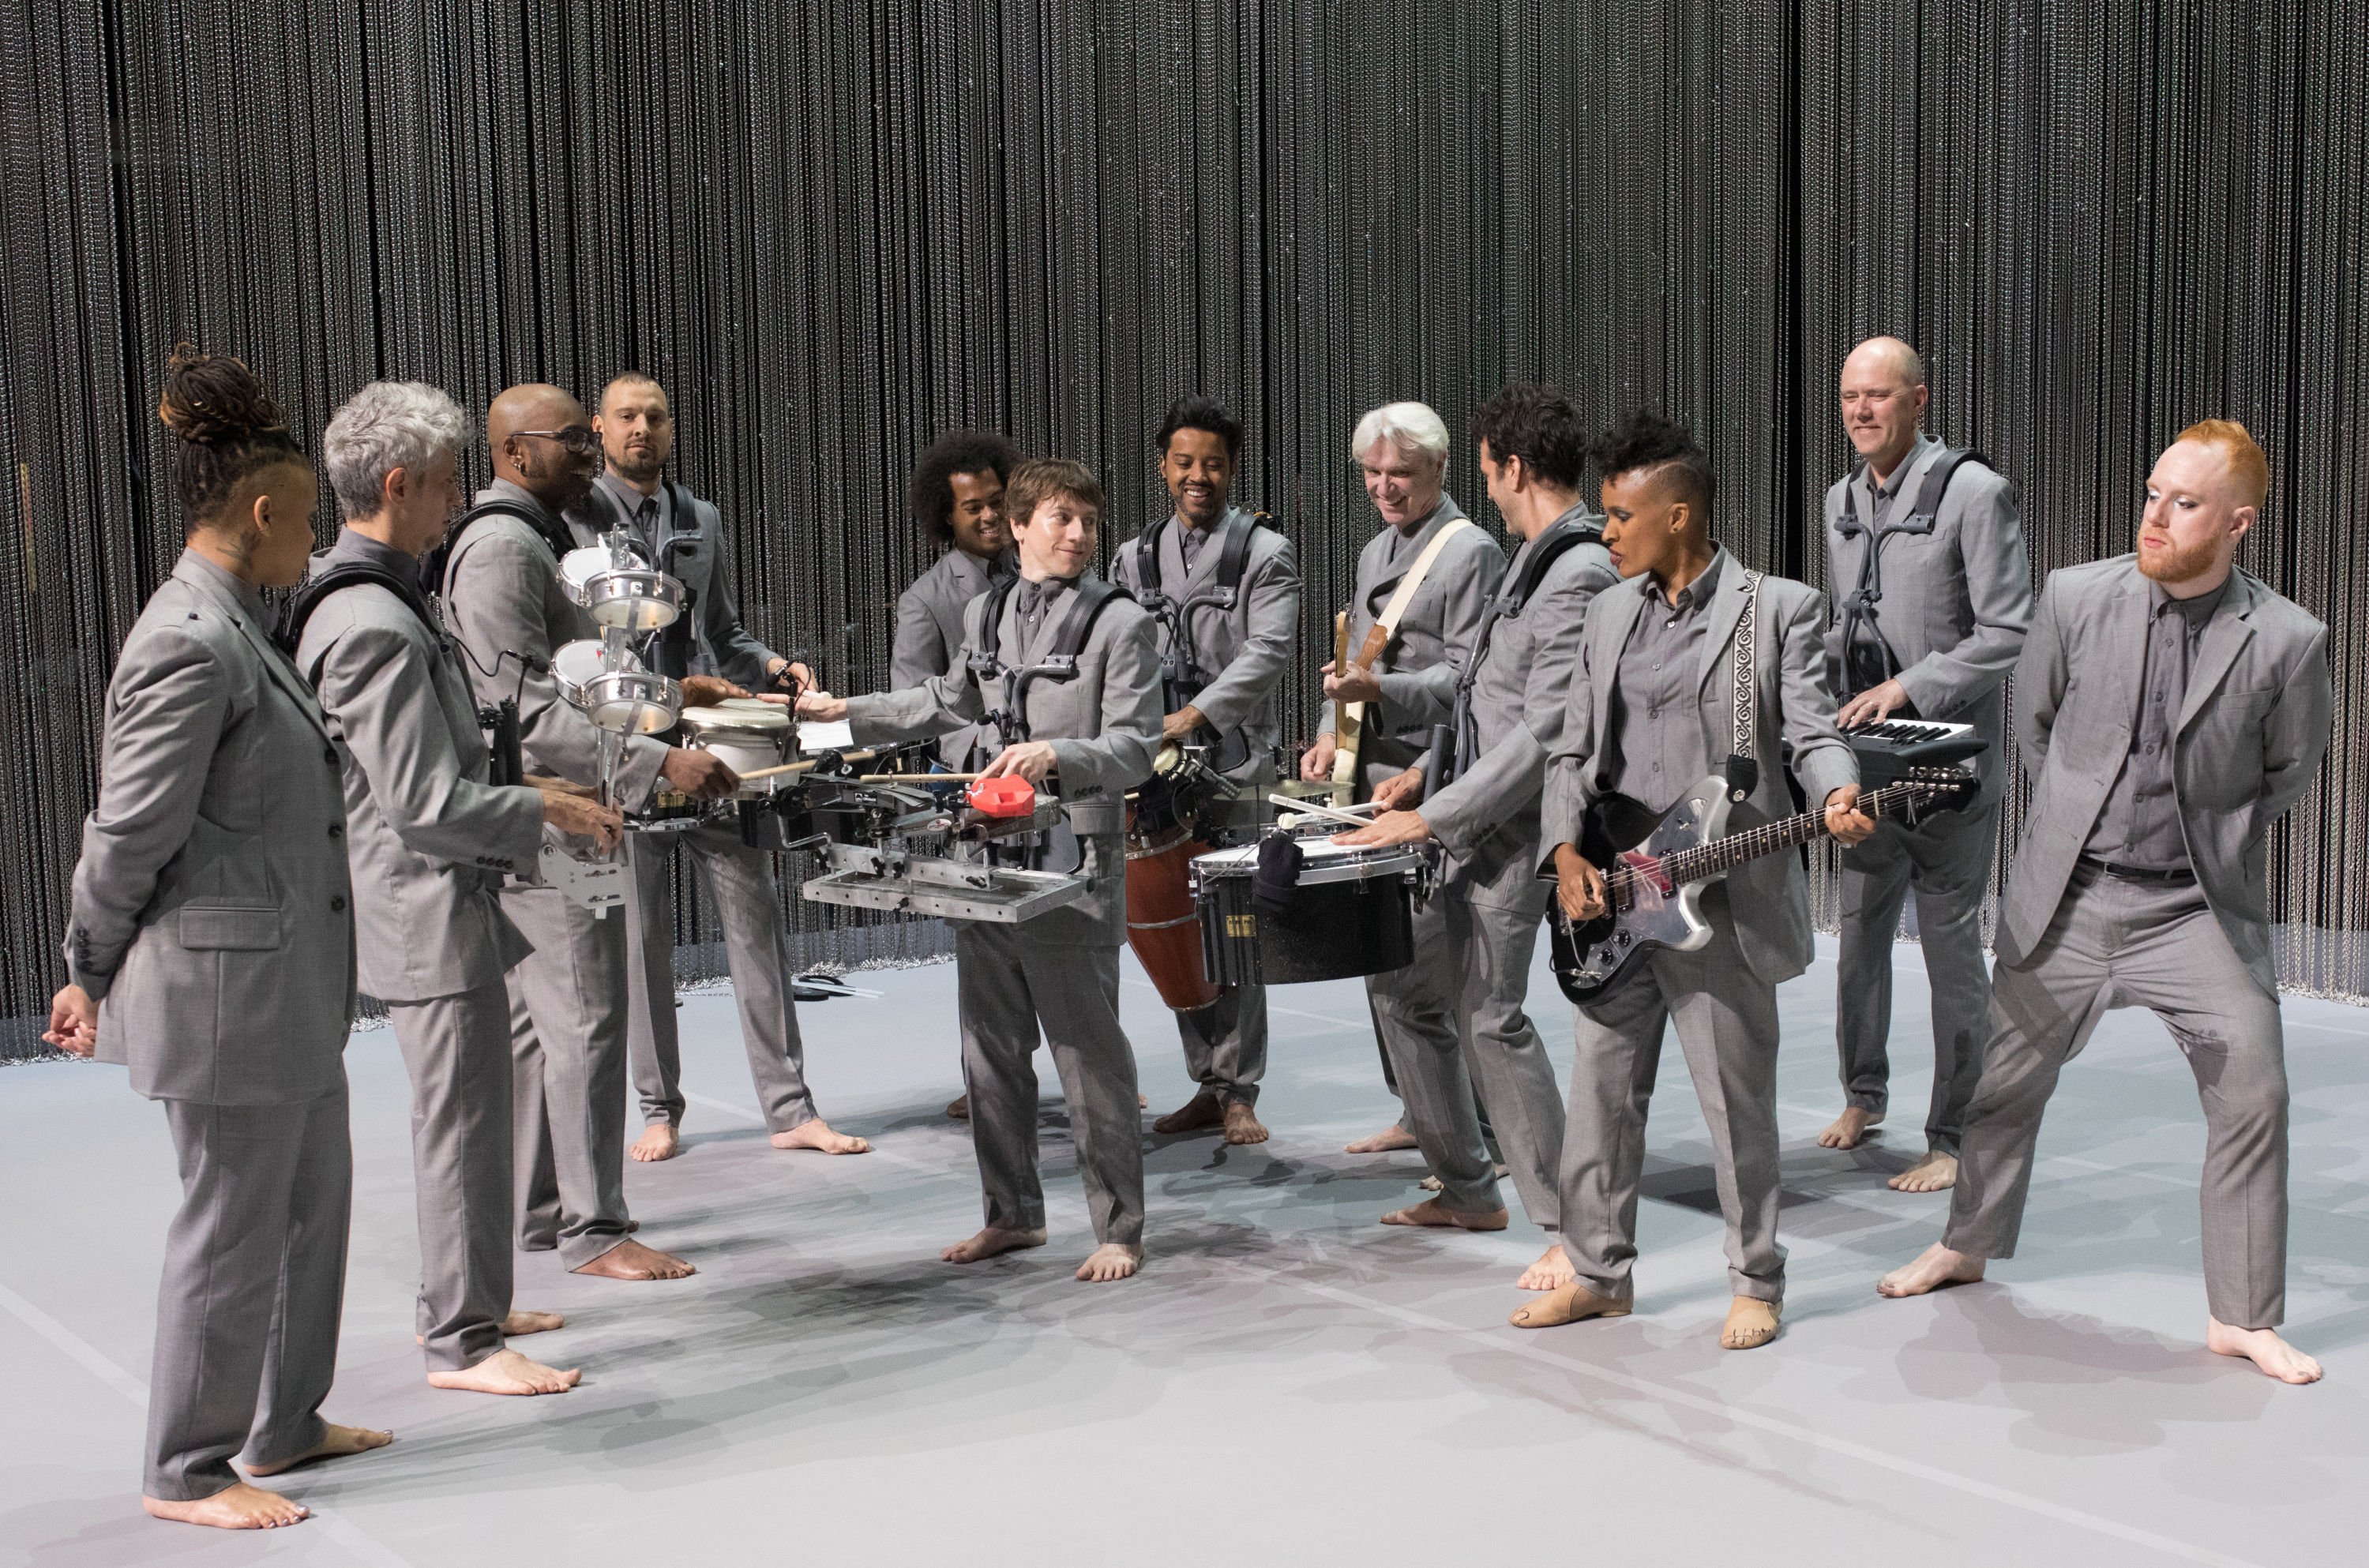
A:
[632,702]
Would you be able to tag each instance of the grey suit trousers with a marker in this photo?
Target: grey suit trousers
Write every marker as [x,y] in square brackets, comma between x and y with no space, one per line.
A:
[567,1075]
[2117,943]
[254,1281]
[1008,984]
[1454,1018]
[457,1049]
[1726,1018]
[1947,860]
[1225,1045]
[757,945]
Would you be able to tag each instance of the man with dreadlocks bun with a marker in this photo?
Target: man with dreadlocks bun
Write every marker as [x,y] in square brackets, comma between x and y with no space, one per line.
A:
[210,950]
[1687,650]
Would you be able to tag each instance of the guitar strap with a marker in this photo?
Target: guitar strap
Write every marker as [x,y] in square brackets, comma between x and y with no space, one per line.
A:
[1344,763]
[1747,671]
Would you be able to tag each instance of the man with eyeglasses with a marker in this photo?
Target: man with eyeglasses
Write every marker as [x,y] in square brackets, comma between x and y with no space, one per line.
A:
[504,603]
[683,535]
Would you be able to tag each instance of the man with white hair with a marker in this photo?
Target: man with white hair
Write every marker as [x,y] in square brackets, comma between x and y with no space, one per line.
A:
[1932,596]
[430,837]
[1424,579]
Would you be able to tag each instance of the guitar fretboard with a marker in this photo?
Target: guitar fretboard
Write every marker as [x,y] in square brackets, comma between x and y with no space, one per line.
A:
[1726,853]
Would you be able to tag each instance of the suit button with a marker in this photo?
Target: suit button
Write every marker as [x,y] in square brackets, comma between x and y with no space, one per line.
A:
[338,903]
[336,829]
[329,755]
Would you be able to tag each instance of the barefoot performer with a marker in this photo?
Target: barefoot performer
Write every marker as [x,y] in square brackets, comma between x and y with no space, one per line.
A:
[1686,652]
[683,536]
[1424,582]
[1095,724]
[210,950]
[1932,596]
[956,492]
[504,605]
[2170,709]
[1224,589]
[428,837]
[1476,933]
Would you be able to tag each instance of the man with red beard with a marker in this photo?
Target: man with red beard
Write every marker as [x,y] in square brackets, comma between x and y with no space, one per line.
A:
[2171,708]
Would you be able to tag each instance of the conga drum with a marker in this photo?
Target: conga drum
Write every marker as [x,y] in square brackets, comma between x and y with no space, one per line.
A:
[1163,925]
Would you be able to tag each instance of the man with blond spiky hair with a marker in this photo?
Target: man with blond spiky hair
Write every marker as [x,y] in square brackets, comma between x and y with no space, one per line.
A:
[2199,713]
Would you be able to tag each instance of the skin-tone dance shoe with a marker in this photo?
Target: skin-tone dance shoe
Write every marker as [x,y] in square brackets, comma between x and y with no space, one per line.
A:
[1572,1304]
[1751,1323]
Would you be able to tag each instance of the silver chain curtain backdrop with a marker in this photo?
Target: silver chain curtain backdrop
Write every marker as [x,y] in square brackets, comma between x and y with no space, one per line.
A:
[834,229]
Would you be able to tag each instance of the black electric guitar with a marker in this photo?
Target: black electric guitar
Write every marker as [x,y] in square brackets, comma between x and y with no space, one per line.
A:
[1655,869]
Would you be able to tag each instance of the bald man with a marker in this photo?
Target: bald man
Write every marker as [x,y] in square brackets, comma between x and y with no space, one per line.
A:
[503,601]
[2199,712]
[1932,596]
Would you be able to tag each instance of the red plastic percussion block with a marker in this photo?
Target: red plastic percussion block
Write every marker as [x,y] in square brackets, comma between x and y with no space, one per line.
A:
[1003,796]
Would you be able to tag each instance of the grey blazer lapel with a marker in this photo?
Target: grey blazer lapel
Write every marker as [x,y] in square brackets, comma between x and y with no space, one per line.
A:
[2129,630]
[1611,619]
[276,664]
[2225,637]
[1726,610]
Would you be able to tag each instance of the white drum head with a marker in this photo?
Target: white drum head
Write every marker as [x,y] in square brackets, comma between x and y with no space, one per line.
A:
[577,665]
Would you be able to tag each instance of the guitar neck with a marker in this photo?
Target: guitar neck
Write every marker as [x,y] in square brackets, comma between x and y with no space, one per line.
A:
[1753,843]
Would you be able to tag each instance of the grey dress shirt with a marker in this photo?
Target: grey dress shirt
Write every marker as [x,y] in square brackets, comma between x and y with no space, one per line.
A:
[2139,824]
[1655,731]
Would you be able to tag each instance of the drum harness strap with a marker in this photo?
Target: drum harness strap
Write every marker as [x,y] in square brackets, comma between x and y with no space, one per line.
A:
[1010,720]
[1867,660]
[1463,732]
[1182,677]
[500,720]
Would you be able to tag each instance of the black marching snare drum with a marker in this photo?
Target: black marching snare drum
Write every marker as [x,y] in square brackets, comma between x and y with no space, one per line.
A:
[1352,913]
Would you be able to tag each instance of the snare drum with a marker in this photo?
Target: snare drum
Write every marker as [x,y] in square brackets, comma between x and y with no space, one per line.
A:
[621,591]
[748,735]
[1352,913]
[614,689]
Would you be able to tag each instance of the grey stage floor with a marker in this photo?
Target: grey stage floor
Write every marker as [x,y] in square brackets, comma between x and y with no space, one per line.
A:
[1286,1382]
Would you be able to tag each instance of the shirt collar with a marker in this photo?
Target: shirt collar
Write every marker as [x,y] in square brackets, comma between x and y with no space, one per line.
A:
[508,491]
[630,498]
[355,546]
[1696,595]
[246,595]
[2198,610]
[1890,488]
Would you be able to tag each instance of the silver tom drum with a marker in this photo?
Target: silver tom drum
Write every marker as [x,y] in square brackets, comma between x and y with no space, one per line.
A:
[616,692]
[748,736]
[619,590]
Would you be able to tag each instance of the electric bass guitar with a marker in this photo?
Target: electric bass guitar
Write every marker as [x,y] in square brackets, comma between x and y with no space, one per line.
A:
[1655,884]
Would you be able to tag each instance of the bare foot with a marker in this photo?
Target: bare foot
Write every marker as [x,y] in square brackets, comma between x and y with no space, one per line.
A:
[237,1506]
[1751,1323]
[958,1108]
[1432,1211]
[338,1442]
[1199,1114]
[1242,1125]
[1108,1262]
[2264,1349]
[1847,1129]
[659,1141]
[1936,1173]
[1551,1272]
[817,1135]
[989,1242]
[1395,1136]
[519,1321]
[1568,1304]
[1934,1267]
[1142,1104]
[631,1260]
[508,1372]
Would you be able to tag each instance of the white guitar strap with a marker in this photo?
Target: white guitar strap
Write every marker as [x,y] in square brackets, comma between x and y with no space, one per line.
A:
[1747,673]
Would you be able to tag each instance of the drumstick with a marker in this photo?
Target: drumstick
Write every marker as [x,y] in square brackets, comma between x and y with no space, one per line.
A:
[918,778]
[1346,813]
[807,765]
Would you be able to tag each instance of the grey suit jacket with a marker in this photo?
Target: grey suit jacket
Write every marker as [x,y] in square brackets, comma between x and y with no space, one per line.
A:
[1957,602]
[502,597]
[1769,896]
[703,565]
[427,837]
[929,640]
[1247,648]
[2252,733]
[211,914]
[1105,730]
[1420,666]
[1488,819]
